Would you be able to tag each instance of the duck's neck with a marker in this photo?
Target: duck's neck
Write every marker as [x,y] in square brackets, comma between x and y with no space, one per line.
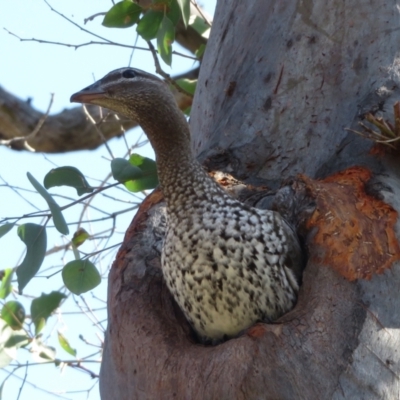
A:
[180,175]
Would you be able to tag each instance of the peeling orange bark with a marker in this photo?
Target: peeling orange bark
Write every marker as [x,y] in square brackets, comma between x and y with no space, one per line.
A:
[355,230]
[138,222]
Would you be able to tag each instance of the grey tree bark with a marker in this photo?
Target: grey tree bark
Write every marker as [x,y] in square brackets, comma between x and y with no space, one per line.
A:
[279,83]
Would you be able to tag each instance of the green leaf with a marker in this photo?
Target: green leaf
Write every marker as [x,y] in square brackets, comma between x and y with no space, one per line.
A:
[80,237]
[174,13]
[40,323]
[58,218]
[187,84]
[137,174]
[184,5]
[165,37]
[42,307]
[47,352]
[67,176]
[148,26]
[122,170]
[122,15]
[18,339]
[5,228]
[34,236]
[80,276]
[200,51]
[13,312]
[65,344]
[5,287]
[149,180]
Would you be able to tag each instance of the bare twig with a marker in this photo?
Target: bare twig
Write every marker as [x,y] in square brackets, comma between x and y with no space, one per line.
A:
[185,56]
[16,190]
[133,51]
[93,253]
[75,46]
[81,337]
[23,381]
[166,76]
[389,140]
[388,133]
[84,369]
[47,214]
[102,184]
[375,137]
[92,17]
[96,126]
[202,14]
[77,25]
[123,132]
[94,318]
[88,314]
[16,367]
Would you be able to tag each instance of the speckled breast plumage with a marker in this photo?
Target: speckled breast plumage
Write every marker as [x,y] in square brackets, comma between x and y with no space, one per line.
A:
[227,264]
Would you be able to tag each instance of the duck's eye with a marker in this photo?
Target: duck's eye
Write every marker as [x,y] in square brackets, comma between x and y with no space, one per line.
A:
[129,73]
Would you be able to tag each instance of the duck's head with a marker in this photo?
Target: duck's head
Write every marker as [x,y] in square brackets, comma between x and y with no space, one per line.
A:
[127,91]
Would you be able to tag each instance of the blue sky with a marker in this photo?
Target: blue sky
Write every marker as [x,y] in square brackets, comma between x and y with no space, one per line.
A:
[33,70]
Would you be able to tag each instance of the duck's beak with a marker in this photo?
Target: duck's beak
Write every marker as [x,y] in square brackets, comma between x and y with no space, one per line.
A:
[89,95]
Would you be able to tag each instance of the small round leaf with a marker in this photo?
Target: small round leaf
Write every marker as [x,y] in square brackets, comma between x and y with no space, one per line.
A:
[13,312]
[80,276]
[80,237]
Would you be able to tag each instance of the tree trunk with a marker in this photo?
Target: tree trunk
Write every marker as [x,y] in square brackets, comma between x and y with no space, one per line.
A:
[279,83]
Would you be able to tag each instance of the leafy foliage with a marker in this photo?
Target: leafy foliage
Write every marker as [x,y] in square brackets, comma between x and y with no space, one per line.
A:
[65,344]
[34,236]
[137,174]
[123,170]
[122,15]
[13,312]
[80,276]
[43,306]
[149,178]
[67,176]
[189,85]
[165,38]
[149,24]
[184,5]
[155,22]
[58,218]
[4,229]
[80,237]
[5,286]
